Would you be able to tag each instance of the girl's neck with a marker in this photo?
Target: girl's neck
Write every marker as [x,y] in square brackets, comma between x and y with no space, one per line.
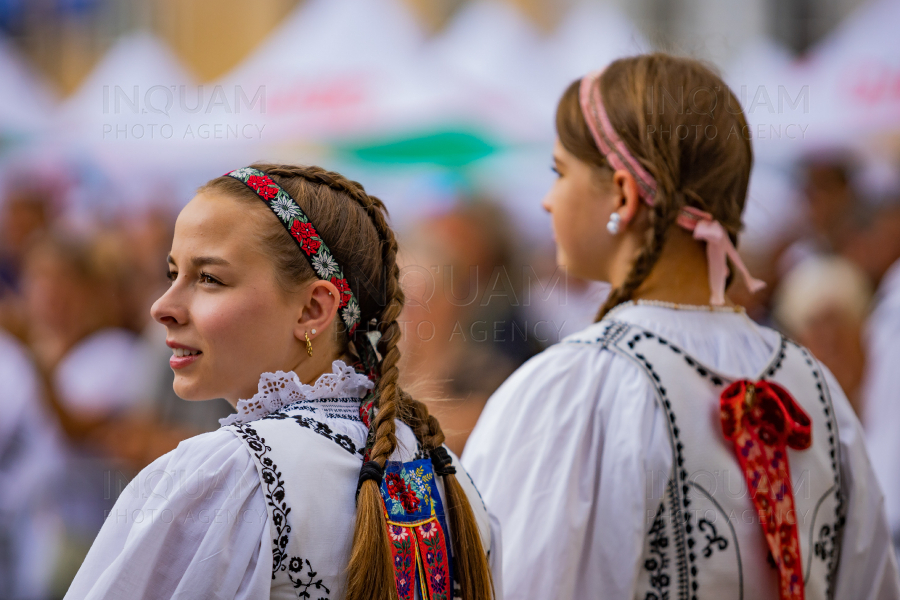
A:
[681,274]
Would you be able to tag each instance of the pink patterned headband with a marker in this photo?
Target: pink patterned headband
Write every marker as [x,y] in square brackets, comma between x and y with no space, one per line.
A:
[608,141]
[704,227]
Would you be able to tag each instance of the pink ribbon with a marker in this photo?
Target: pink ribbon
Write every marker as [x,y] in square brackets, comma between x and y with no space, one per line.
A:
[718,245]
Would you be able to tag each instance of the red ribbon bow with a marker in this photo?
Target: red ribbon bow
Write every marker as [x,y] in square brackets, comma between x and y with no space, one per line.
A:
[763,420]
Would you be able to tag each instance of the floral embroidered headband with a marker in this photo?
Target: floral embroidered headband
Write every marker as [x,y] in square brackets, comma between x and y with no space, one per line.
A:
[326,268]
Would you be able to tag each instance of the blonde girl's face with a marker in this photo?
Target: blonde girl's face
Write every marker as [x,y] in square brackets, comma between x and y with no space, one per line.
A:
[226,318]
[580,203]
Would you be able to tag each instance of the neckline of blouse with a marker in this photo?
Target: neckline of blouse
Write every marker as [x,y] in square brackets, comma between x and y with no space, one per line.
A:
[632,308]
[279,389]
[684,308]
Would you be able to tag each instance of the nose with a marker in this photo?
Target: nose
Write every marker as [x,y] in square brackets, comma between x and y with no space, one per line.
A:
[169,309]
[546,204]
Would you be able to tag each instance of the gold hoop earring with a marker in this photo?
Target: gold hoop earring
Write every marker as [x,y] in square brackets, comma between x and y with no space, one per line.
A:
[308,344]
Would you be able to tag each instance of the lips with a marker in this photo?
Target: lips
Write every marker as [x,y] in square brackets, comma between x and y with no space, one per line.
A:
[182,355]
[180,362]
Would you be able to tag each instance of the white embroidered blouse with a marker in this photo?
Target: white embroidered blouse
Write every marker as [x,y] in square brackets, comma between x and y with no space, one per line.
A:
[196,523]
[568,450]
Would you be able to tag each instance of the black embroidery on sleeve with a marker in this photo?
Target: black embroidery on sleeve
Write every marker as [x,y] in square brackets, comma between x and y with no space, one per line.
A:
[275,497]
[274,484]
[658,563]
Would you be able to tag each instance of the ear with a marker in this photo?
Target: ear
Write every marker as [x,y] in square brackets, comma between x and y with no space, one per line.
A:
[321,301]
[628,197]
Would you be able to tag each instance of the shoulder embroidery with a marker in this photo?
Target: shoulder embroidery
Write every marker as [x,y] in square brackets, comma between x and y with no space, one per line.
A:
[609,336]
[677,492]
[683,544]
[299,570]
[827,547]
[701,370]
[658,563]
[779,358]
[320,428]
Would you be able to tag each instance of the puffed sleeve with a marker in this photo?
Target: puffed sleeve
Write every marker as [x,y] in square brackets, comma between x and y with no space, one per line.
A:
[564,467]
[191,525]
[868,566]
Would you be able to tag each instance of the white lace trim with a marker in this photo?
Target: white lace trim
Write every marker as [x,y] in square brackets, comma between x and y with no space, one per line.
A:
[279,389]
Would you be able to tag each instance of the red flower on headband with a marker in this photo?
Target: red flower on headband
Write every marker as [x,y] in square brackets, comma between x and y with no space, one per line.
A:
[261,186]
[343,289]
[305,234]
[310,246]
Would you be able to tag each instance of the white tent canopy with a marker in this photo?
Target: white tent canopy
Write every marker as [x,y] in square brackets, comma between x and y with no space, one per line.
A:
[854,77]
[134,119]
[25,101]
[137,83]
[338,69]
[499,56]
[774,99]
[590,36]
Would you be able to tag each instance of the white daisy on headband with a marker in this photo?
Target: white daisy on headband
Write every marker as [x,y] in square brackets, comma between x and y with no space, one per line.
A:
[243,173]
[353,310]
[285,208]
[325,265]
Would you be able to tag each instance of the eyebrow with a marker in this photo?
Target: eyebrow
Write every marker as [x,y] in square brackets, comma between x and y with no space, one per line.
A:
[202,261]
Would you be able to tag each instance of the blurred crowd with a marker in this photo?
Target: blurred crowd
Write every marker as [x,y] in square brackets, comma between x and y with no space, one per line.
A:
[85,387]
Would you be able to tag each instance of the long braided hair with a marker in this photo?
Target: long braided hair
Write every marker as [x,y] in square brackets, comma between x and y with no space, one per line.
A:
[687,129]
[354,225]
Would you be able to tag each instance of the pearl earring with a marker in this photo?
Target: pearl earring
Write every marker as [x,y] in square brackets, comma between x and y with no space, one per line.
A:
[314,332]
[613,225]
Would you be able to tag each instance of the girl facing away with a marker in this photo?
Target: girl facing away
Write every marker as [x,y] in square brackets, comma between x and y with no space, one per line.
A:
[330,481]
[673,449]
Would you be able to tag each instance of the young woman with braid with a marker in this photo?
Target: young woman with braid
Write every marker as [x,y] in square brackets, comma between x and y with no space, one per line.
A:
[673,449]
[329,481]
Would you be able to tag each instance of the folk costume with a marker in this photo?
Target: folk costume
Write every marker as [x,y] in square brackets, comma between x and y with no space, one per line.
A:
[265,506]
[680,452]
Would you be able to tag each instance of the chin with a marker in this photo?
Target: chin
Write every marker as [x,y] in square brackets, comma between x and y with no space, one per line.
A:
[187,389]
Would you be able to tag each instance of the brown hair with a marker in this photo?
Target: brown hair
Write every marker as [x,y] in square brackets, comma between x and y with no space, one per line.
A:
[687,129]
[354,226]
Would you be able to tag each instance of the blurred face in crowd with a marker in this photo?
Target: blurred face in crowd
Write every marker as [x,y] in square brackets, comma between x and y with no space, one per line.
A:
[227,320]
[22,216]
[68,292]
[829,197]
[54,294]
[580,203]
